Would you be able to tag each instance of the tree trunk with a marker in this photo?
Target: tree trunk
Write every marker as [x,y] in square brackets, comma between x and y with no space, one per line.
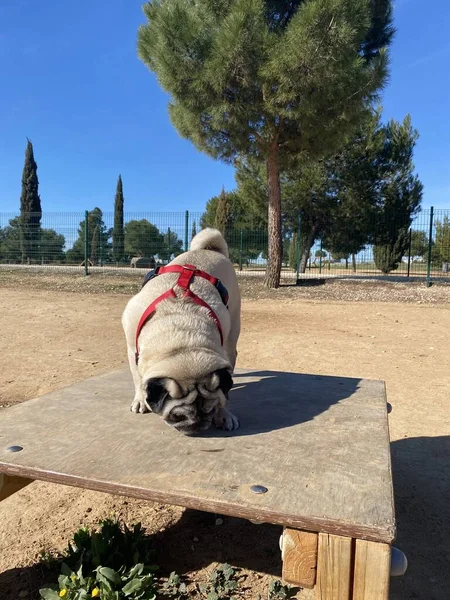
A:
[354,262]
[273,271]
[346,263]
[310,238]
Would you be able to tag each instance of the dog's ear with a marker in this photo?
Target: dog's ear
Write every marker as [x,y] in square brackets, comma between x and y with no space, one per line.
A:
[156,394]
[225,381]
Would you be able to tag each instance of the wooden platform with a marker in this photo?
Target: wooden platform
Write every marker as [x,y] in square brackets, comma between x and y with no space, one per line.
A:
[320,446]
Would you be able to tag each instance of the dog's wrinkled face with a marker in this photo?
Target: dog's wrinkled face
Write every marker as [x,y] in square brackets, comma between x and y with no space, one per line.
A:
[191,407]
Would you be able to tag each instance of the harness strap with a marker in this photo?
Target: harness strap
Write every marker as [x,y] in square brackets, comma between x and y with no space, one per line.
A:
[212,314]
[187,272]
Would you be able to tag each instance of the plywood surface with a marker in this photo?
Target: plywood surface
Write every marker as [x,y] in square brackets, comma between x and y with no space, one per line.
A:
[319,444]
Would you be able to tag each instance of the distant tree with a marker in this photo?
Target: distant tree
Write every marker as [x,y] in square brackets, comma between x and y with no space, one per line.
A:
[419,243]
[441,247]
[208,218]
[99,246]
[388,256]
[276,80]
[10,242]
[30,208]
[344,198]
[194,230]
[95,245]
[118,235]
[142,238]
[171,246]
[52,246]
[292,256]
[246,236]
[224,220]
[400,194]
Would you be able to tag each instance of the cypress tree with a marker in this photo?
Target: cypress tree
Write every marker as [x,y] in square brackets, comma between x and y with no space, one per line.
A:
[118,235]
[194,230]
[30,208]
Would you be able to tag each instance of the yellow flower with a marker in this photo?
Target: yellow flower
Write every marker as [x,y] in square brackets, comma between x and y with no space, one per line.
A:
[62,593]
[95,592]
[73,577]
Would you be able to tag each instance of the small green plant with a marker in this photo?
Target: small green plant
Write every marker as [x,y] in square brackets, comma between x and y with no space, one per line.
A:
[221,585]
[278,591]
[113,545]
[104,583]
[48,558]
[111,563]
[174,587]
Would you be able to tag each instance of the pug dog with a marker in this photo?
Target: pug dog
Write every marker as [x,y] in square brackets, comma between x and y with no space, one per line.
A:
[182,330]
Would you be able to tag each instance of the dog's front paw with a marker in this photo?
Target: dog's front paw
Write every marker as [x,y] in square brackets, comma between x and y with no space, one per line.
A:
[225,420]
[138,406]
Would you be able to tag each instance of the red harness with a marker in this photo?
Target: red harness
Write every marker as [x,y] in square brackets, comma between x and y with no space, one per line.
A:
[187,273]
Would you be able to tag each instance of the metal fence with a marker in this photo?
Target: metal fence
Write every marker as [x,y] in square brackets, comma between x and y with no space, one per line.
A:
[89,242]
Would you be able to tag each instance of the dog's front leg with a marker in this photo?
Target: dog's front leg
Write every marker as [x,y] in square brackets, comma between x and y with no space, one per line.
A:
[138,405]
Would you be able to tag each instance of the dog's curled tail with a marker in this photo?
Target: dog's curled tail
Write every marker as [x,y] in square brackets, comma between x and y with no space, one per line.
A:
[210,239]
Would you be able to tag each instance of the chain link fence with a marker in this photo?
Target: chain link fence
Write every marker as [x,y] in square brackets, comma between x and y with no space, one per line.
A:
[89,242]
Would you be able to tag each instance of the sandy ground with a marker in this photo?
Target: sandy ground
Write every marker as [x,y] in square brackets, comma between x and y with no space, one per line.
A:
[52,337]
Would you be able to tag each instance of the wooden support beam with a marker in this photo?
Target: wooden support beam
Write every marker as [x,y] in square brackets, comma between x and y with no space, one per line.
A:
[334,565]
[372,571]
[299,557]
[9,484]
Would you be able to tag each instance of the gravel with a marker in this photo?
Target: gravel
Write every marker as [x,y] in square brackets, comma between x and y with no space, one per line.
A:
[327,290]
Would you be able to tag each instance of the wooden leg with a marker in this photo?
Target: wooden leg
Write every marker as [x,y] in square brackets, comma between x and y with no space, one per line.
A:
[372,571]
[299,551]
[342,568]
[334,567]
[9,484]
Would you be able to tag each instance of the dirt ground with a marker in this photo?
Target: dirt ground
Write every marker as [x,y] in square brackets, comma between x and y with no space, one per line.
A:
[59,330]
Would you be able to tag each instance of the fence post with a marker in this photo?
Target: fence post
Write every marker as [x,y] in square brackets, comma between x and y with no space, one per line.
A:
[100,243]
[409,250]
[298,246]
[86,242]
[430,247]
[186,231]
[240,251]
[320,258]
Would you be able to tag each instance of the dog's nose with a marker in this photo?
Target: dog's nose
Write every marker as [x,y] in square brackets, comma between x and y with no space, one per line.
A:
[177,418]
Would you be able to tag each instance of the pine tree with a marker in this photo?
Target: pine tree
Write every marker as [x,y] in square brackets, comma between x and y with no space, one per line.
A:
[273,79]
[194,230]
[400,193]
[118,234]
[223,216]
[30,208]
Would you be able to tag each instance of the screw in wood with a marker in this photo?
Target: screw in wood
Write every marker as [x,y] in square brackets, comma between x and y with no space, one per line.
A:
[14,449]
[259,489]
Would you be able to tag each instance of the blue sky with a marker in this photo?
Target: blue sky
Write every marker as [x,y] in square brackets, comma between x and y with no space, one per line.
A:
[71,81]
